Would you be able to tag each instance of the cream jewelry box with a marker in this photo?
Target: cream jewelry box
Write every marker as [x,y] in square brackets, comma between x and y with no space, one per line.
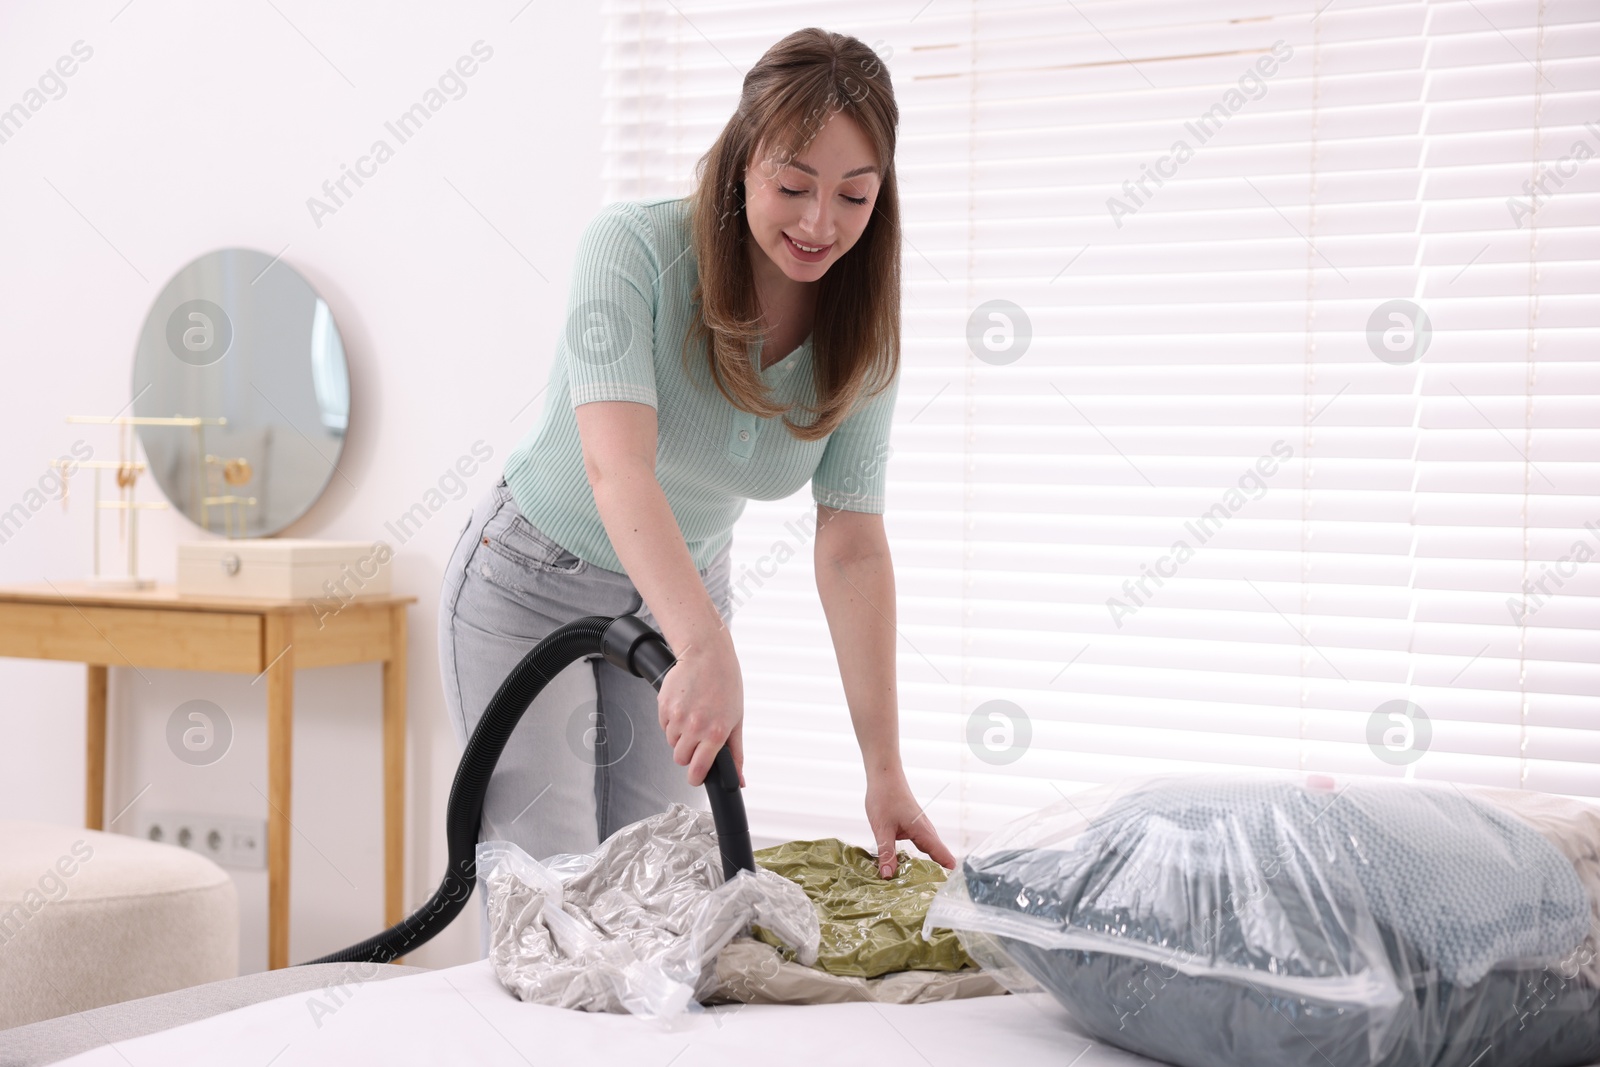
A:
[283,568]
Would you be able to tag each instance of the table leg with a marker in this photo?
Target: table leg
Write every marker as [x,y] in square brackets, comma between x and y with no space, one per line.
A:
[280,749]
[394,768]
[94,790]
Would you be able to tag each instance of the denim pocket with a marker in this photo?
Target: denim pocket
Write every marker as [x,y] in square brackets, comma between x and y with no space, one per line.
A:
[509,534]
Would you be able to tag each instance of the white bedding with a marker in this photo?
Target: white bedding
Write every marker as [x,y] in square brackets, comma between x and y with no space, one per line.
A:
[462,1015]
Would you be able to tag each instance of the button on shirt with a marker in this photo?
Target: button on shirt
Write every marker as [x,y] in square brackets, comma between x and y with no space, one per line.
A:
[628,309]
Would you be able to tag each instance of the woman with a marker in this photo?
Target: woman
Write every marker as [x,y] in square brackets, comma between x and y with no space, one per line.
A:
[719,347]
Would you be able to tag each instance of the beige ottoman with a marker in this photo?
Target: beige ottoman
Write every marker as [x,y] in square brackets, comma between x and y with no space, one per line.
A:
[90,918]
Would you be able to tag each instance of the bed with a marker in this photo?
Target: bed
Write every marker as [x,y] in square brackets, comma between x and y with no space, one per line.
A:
[365,1013]
[463,1015]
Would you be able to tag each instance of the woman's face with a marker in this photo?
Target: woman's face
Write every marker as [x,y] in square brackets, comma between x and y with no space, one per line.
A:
[821,198]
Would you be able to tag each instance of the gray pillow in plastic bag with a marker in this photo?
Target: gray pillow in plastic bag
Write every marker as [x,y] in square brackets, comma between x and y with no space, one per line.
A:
[1234,921]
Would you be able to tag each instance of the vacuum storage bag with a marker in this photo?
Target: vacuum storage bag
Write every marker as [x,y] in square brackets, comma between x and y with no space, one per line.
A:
[635,926]
[1261,920]
[872,946]
[871,925]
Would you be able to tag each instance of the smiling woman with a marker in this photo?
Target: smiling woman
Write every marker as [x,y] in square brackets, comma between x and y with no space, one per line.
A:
[808,162]
[721,347]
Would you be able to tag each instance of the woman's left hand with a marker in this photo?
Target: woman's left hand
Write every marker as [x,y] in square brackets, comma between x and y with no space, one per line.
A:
[894,814]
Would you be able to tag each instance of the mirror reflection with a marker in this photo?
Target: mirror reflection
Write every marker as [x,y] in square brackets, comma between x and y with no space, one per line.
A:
[244,358]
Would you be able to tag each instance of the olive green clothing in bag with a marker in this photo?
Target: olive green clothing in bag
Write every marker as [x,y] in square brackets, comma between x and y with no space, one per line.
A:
[871,925]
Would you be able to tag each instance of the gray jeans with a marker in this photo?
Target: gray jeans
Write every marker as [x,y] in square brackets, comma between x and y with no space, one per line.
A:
[589,755]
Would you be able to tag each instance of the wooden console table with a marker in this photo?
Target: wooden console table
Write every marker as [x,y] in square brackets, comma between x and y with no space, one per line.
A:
[158,629]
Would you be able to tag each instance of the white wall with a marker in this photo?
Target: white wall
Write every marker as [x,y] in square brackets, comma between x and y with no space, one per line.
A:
[195,126]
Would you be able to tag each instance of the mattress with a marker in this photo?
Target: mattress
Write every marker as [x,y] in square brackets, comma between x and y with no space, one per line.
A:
[463,1015]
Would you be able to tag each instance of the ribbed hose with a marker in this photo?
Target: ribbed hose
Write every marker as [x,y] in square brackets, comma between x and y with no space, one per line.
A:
[543,662]
[624,641]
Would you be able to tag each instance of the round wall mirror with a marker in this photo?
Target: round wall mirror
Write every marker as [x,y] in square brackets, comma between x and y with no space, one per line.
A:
[241,360]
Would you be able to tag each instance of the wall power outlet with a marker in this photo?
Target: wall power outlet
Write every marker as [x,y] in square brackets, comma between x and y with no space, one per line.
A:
[229,841]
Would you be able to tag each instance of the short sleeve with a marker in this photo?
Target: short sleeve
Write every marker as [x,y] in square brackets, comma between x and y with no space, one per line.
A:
[851,474]
[608,341]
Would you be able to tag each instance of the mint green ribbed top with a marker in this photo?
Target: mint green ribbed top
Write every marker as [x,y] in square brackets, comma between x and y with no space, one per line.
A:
[627,312]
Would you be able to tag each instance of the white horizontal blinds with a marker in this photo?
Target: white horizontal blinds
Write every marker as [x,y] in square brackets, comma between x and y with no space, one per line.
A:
[1169,354]
[1509,405]
[651,121]
[1176,351]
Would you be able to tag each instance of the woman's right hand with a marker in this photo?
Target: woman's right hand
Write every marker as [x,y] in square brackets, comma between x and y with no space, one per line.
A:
[701,701]
[701,705]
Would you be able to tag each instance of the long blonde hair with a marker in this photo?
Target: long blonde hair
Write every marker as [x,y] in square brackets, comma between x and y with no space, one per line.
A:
[787,96]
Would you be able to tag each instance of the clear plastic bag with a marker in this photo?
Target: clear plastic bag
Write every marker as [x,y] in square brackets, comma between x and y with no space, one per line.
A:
[637,925]
[1242,920]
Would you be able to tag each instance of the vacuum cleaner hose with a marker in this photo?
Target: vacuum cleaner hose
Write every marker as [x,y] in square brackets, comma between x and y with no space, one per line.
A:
[624,641]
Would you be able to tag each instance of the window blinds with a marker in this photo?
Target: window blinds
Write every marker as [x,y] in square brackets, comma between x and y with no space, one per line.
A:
[1299,465]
